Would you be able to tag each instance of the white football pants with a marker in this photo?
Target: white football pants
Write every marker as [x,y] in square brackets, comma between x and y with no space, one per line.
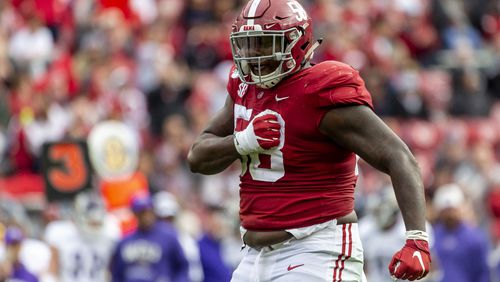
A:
[332,254]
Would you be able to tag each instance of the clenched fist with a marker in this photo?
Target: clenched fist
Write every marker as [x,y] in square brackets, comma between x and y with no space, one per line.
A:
[262,133]
[412,261]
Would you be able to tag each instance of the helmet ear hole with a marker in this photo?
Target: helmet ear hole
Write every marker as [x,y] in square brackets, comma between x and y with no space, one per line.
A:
[287,43]
[305,45]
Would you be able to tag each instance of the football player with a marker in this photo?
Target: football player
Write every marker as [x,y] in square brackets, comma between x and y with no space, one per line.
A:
[297,129]
[167,209]
[81,247]
[150,254]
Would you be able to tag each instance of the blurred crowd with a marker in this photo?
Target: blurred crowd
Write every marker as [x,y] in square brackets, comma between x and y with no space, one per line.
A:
[161,67]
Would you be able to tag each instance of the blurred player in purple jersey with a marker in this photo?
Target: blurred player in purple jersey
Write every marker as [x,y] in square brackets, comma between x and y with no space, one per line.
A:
[12,269]
[461,248]
[167,209]
[152,253]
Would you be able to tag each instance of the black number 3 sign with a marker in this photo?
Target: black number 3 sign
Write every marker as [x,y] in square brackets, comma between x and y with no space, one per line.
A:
[66,169]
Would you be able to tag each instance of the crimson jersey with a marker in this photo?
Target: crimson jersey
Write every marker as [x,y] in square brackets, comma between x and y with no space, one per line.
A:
[307,179]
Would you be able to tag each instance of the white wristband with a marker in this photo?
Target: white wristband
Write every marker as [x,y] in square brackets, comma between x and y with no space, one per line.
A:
[417,235]
[246,142]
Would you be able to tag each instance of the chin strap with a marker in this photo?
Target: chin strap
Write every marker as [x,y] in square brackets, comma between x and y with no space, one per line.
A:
[309,54]
[267,83]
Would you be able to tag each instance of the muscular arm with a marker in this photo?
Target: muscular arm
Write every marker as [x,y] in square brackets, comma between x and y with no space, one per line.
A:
[358,129]
[213,151]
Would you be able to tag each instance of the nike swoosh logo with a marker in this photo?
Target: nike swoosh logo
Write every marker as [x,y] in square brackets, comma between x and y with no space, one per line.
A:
[268,26]
[420,260]
[292,267]
[282,98]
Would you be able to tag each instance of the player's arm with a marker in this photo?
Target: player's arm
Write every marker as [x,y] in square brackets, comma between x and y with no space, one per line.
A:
[358,129]
[214,150]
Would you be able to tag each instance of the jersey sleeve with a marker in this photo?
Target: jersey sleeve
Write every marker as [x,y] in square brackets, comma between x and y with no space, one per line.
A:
[338,85]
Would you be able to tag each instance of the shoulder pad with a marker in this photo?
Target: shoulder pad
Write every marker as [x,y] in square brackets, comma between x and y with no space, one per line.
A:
[336,84]
[332,74]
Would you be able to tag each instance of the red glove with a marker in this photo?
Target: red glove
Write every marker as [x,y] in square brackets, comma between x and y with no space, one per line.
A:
[412,262]
[267,131]
[262,133]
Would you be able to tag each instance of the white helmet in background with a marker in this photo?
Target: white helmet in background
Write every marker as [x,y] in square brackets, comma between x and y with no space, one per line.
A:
[165,204]
[385,208]
[89,213]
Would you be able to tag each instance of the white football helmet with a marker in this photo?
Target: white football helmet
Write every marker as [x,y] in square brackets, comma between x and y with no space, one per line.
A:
[384,208]
[89,213]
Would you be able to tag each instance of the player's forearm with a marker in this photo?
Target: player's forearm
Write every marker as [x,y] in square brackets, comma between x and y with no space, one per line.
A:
[211,154]
[408,186]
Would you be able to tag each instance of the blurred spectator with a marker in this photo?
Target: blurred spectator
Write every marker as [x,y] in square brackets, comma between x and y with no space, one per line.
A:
[478,174]
[204,45]
[126,99]
[51,120]
[169,96]
[33,253]
[172,173]
[167,209]
[382,232]
[462,249]
[145,10]
[216,228]
[470,97]
[198,12]
[151,253]
[36,255]
[493,72]
[12,269]
[31,46]
[404,96]
[493,202]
